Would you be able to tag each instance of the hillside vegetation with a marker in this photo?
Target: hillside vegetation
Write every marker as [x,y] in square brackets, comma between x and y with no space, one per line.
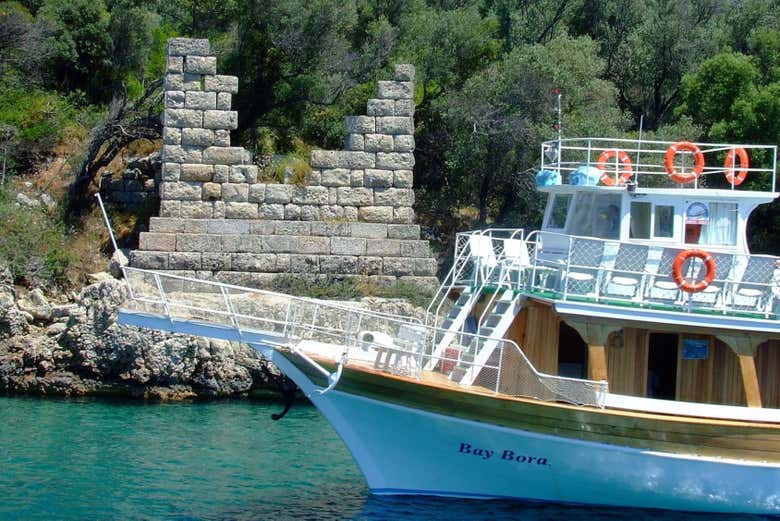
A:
[75,74]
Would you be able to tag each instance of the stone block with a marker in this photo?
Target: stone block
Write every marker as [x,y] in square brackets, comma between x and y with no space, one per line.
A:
[270,211]
[171,136]
[403,143]
[181,154]
[403,231]
[368,230]
[380,107]
[424,267]
[182,118]
[192,82]
[257,262]
[330,229]
[429,284]
[224,101]
[220,119]
[360,124]
[397,266]
[378,178]
[157,241]
[222,138]
[220,83]
[310,195]
[395,160]
[347,246]
[335,177]
[333,195]
[197,242]
[221,174]
[404,107]
[394,90]
[403,178]
[353,142]
[232,243]
[195,225]
[235,192]
[228,227]
[283,263]
[383,248]
[224,155]
[257,193]
[240,210]
[196,172]
[174,99]
[170,208]
[355,160]
[324,158]
[262,227]
[370,265]
[396,197]
[212,191]
[171,172]
[415,248]
[174,64]
[293,228]
[338,264]
[292,212]
[304,264]
[379,143]
[278,193]
[375,214]
[404,72]
[331,212]
[184,260]
[355,196]
[243,174]
[173,82]
[310,213]
[313,245]
[403,215]
[218,209]
[197,137]
[280,243]
[149,260]
[215,262]
[356,178]
[200,64]
[188,47]
[197,209]
[350,213]
[181,191]
[165,225]
[395,125]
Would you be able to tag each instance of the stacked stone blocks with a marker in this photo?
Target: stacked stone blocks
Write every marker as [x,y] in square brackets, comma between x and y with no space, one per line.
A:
[353,217]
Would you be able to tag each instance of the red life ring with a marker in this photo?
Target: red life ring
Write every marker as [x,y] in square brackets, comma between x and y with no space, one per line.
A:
[693,287]
[731,177]
[698,165]
[626,170]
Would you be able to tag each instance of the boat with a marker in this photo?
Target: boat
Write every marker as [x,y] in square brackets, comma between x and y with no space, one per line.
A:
[624,354]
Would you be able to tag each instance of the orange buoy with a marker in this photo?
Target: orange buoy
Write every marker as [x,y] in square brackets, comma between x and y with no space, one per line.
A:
[693,287]
[736,178]
[626,170]
[698,165]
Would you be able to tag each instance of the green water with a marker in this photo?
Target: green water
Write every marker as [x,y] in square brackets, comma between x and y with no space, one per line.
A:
[97,459]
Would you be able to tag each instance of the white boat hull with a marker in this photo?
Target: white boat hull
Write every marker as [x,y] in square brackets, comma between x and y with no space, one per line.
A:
[402,450]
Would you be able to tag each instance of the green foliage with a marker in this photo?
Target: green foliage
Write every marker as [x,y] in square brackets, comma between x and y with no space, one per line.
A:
[34,245]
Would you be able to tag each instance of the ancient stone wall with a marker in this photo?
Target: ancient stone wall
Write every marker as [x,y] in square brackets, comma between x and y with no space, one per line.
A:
[353,215]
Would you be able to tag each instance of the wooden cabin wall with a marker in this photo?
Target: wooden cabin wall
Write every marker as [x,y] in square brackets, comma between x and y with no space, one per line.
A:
[627,364]
[768,368]
[694,377]
[540,343]
[726,381]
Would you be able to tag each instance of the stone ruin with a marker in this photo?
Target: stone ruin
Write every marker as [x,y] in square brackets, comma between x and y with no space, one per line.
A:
[352,218]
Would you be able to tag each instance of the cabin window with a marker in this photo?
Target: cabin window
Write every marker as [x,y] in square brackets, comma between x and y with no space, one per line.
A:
[717,228]
[641,214]
[664,221]
[559,211]
[597,215]
[646,217]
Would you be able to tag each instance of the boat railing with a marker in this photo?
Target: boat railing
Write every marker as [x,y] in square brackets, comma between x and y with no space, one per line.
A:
[392,344]
[647,163]
[640,274]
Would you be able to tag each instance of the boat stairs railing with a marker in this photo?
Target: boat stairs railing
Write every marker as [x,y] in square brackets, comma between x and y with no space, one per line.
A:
[318,330]
[645,161]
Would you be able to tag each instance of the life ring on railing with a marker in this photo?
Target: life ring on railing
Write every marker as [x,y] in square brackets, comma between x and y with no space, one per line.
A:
[737,177]
[626,172]
[693,287]
[698,162]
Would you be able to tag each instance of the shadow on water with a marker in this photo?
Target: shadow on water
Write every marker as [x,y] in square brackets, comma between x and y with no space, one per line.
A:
[214,460]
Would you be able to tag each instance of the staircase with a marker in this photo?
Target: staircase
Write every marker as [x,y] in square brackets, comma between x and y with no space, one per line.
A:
[453,323]
[481,348]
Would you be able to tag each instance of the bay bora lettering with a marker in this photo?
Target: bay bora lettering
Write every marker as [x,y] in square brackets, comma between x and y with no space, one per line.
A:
[505,455]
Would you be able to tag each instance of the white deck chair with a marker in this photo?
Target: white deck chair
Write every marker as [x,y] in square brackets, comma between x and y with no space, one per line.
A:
[484,256]
[516,259]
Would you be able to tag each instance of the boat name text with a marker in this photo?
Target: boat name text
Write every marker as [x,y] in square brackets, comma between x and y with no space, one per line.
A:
[504,455]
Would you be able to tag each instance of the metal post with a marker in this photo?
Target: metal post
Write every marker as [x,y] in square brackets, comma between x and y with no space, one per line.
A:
[500,360]
[164,299]
[108,223]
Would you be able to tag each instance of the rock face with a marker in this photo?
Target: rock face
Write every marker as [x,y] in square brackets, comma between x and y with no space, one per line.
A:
[78,348]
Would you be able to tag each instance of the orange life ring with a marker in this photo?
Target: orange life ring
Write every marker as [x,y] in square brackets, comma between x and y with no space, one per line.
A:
[625,172]
[698,165]
[732,177]
[693,287]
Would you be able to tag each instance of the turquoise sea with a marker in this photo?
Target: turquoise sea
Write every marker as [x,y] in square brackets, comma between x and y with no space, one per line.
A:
[107,459]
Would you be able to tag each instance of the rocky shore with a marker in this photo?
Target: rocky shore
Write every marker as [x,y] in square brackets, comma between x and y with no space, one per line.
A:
[73,346]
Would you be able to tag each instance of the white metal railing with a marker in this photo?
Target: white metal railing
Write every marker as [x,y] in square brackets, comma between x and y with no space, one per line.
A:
[349,330]
[645,160]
